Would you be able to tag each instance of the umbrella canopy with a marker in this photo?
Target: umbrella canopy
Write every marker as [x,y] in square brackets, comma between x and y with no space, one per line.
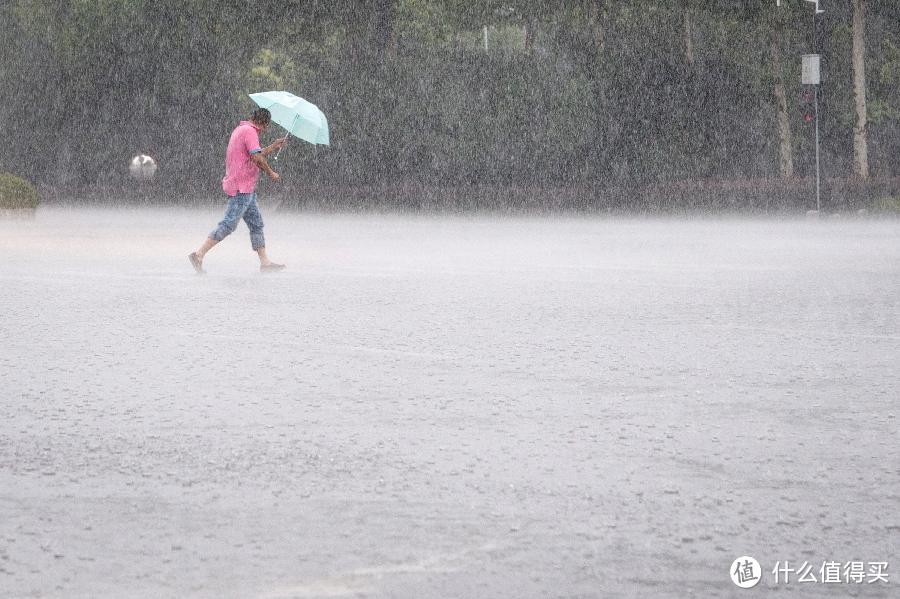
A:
[301,118]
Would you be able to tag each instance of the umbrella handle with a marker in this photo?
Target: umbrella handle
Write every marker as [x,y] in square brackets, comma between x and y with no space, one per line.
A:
[279,149]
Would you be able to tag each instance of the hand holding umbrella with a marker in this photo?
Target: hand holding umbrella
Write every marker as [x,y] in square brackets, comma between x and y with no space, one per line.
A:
[279,144]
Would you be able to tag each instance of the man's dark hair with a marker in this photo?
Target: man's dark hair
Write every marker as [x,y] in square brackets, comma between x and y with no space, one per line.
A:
[261,116]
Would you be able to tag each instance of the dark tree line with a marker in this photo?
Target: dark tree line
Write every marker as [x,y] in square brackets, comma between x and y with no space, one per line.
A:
[588,93]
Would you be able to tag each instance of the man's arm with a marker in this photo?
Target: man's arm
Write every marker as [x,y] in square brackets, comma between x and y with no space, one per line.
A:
[259,160]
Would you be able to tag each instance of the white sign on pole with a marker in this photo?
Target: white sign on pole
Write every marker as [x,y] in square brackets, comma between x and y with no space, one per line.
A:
[818,10]
[811,74]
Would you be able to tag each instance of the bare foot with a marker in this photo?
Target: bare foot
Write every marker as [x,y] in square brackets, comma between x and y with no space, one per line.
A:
[270,267]
[197,263]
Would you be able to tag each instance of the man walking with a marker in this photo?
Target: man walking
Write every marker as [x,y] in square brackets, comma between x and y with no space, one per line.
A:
[243,160]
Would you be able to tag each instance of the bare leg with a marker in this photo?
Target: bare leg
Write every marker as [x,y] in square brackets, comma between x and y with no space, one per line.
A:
[263,258]
[207,245]
[237,205]
[266,265]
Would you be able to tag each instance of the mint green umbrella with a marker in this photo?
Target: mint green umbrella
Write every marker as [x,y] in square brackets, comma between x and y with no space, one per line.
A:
[301,118]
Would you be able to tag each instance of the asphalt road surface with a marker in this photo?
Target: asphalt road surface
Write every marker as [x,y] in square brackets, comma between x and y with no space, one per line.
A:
[446,407]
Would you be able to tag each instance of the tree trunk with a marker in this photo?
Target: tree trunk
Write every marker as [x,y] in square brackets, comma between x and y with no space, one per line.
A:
[597,18]
[529,34]
[785,147]
[688,33]
[860,145]
[385,39]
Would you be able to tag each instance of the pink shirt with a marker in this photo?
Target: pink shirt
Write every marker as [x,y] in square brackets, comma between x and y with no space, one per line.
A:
[240,172]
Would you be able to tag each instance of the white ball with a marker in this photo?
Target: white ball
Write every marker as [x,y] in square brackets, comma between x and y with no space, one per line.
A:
[142,167]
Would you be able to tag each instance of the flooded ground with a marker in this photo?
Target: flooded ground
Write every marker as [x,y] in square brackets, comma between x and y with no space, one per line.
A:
[445,407]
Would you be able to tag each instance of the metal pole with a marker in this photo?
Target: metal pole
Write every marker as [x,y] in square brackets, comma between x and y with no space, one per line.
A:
[816,101]
[293,124]
[816,104]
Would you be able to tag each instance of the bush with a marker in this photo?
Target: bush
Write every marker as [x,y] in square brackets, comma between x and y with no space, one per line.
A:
[16,192]
[888,204]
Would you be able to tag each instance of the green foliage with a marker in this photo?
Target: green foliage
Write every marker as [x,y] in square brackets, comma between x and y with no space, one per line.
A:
[587,92]
[271,70]
[425,23]
[888,204]
[17,193]
[885,107]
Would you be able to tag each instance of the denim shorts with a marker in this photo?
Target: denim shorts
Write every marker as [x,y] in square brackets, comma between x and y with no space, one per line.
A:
[242,205]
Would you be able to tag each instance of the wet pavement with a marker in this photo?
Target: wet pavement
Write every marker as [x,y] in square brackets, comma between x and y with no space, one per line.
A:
[445,406]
